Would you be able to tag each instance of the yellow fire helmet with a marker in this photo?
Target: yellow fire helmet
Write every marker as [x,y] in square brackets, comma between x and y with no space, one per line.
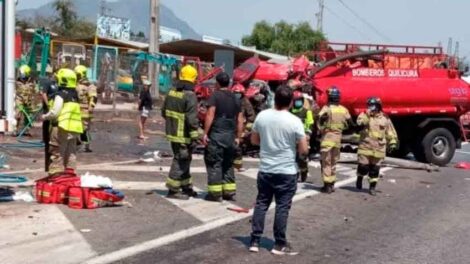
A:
[24,71]
[188,73]
[66,78]
[81,71]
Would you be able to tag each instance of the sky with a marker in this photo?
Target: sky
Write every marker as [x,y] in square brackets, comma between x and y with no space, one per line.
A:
[414,22]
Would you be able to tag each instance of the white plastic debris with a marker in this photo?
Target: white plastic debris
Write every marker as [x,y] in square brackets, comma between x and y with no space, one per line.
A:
[149,157]
[392,181]
[92,181]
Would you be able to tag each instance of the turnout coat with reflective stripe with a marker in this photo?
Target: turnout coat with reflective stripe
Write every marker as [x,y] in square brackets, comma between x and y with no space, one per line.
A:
[337,118]
[378,131]
[180,113]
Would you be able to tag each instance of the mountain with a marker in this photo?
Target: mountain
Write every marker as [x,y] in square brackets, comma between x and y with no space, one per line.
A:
[135,10]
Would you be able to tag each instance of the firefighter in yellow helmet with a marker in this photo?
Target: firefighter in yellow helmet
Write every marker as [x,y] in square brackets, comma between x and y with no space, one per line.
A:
[333,120]
[24,96]
[377,136]
[180,112]
[88,96]
[66,119]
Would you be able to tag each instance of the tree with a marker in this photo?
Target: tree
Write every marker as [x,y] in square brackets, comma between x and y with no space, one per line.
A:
[67,17]
[66,23]
[284,38]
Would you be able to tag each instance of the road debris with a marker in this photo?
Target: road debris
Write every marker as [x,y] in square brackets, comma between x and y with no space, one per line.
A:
[238,209]
[392,181]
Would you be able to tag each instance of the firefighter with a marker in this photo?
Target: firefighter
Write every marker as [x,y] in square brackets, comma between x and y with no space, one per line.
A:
[222,132]
[65,116]
[24,99]
[182,123]
[88,97]
[249,116]
[306,117]
[377,132]
[333,120]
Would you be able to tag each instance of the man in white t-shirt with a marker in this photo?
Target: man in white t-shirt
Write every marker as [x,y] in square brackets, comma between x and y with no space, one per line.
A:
[280,135]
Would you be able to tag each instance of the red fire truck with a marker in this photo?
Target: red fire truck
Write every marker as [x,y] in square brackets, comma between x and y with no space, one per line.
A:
[420,87]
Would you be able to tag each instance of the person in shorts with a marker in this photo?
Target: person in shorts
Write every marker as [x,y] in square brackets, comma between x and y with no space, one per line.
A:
[145,106]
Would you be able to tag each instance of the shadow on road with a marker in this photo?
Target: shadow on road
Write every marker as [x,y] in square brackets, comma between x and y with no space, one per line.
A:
[265,243]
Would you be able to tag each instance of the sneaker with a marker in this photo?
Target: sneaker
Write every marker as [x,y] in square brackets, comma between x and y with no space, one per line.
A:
[284,250]
[177,196]
[254,246]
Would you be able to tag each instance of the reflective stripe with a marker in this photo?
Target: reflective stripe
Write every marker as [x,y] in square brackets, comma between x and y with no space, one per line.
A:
[371,153]
[217,188]
[175,139]
[372,180]
[172,183]
[229,187]
[176,183]
[176,94]
[338,110]
[377,134]
[329,179]
[180,119]
[194,134]
[328,144]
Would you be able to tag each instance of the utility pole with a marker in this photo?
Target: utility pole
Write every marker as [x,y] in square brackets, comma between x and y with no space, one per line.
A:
[154,47]
[319,15]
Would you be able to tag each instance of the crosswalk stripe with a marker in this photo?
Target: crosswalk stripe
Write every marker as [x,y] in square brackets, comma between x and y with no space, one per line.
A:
[202,210]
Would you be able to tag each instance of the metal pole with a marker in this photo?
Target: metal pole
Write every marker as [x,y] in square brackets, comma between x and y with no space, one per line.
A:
[10,63]
[154,47]
[321,4]
[2,61]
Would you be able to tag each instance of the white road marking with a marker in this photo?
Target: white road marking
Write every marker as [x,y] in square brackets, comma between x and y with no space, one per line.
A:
[463,152]
[183,234]
[33,233]
[200,209]
[137,168]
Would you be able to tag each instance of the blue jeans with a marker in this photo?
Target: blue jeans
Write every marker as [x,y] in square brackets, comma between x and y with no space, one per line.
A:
[282,187]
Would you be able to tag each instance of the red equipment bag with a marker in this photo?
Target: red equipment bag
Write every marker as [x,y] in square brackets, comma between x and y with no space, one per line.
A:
[55,189]
[78,197]
[45,192]
[102,198]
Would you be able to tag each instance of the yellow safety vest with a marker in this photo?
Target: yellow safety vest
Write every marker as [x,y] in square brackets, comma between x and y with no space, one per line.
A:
[70,118]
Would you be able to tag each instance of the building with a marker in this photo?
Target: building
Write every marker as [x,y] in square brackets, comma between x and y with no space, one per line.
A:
[169,34]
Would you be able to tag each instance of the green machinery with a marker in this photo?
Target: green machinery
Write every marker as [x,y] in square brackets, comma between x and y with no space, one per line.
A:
[168,64]
[41,41]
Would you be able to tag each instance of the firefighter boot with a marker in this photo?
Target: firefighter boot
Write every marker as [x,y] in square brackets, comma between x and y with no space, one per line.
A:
[177,195]
[213,198]
[359,182]
[327,188]
[372,190]
[190,192]
[303,176]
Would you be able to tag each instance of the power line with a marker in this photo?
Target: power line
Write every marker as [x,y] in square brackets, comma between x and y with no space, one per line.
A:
[346,22]
[365,21]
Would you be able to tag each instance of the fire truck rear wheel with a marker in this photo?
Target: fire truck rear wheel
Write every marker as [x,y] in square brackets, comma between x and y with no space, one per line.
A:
[437,147]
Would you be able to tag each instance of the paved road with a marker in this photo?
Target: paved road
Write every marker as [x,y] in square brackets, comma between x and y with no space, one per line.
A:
[420,218]
[417,218]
